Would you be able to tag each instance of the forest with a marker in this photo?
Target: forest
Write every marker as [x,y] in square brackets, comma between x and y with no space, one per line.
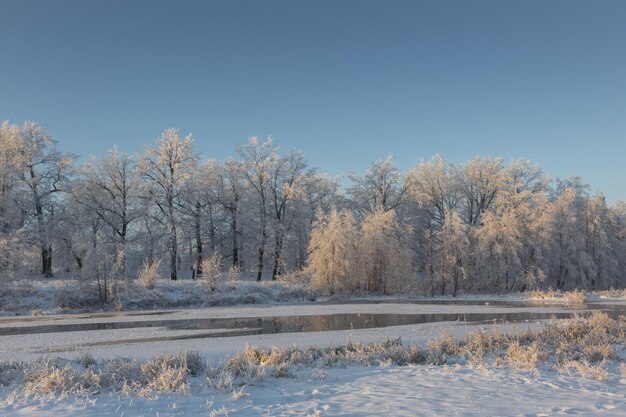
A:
[486,225]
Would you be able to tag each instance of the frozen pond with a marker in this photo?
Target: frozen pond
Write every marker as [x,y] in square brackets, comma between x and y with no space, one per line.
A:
[224,329]
[289,324]
[313,322]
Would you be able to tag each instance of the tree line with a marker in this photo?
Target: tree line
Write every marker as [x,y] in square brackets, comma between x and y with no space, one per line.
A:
[484,225]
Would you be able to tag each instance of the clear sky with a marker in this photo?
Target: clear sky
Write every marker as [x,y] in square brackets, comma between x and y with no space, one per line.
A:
[345,81]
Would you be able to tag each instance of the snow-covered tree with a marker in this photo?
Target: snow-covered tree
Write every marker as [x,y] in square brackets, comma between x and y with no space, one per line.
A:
[499,249]
[199,206]
[318,192]
[455,248]
[333,252]
[475,226]
[479,180]
[603,268]
[618,237]
[258,158]
[384,252]
[381,188]
[10,165]
[230,193]
[166,167]
[565,256]
[44,172]
[109,188]
[435,190]
[288,176]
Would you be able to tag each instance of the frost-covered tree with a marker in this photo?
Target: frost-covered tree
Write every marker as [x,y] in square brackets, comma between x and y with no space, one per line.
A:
[258,158]
[435,190]
[384,252]
[480,180]
[333,252]
[44,172]
[318,192]
[381,188]
[499,249]
[199,206]
[477,226]
[321,192]
[166,167]
[523,178]
[618,238]
[12,219]
[599,233]
[230,194]
[566,251]
[288,176]
[90,249]
[10,165]
[455,248]
[109,187]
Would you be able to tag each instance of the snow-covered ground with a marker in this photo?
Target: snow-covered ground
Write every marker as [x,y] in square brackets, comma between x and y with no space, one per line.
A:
[371,391]
[30,295]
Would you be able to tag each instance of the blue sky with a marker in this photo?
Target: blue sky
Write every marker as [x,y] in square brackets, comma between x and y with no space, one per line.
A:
[347,82]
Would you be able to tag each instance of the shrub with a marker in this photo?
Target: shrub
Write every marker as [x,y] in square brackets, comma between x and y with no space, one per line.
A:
[149,274]
[574,296]
[234,273]
[70,296]
[212,269]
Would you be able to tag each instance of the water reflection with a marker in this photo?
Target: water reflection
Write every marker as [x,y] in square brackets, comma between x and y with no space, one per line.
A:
[317,323]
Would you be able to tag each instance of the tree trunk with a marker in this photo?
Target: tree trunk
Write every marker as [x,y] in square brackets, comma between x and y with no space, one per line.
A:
[46,248]
[173,253]
[46,260]
[211,232]
[199,253]
[262,247]
[431,267]
[235,241]
[457,266]
[278,246]
[123,246]
[443,275]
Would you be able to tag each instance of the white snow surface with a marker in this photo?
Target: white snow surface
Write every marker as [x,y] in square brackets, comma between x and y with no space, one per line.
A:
[373,391]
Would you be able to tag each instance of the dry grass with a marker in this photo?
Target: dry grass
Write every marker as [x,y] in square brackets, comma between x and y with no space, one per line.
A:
[573,297]
[222,381]
[149,274]
[219,412]
[238,394]
[86,376]
[167,373]
[612,293]
[587,369]
[524,357]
